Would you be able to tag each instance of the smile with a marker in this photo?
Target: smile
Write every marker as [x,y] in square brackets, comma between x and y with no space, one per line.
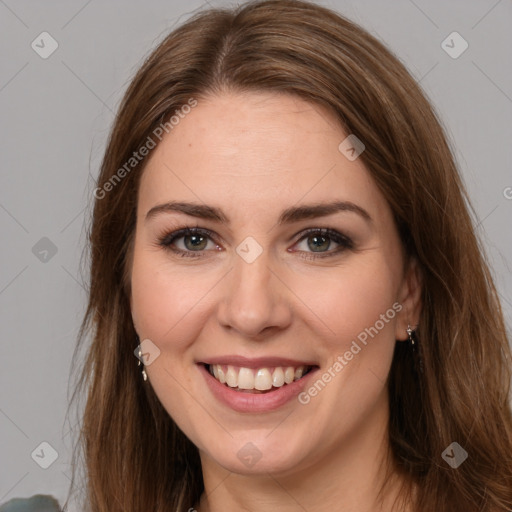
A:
[256,384]
[256,380]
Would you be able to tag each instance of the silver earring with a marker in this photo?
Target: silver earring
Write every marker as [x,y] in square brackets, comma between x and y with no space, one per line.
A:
[413,342]
[410,333]
[144,374]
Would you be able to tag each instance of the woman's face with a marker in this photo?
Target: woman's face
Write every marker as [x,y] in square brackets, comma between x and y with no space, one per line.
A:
[295,266]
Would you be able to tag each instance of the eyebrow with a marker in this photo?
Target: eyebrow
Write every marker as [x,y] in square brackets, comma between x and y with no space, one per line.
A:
[288,216]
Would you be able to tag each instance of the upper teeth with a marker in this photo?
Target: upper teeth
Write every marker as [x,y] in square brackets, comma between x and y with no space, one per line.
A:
[260,378]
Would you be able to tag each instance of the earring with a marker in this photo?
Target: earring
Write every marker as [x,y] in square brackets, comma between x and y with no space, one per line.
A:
[144,374]
[413,343]
[410,333]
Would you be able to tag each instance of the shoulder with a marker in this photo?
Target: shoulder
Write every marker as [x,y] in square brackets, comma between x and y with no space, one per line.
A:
[36,503]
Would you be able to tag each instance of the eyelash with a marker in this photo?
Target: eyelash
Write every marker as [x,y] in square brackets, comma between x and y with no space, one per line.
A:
[344,241]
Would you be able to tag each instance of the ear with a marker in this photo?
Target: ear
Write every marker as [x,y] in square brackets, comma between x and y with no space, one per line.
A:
[410,299]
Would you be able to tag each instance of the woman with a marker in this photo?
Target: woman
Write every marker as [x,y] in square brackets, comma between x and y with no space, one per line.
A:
[281,236]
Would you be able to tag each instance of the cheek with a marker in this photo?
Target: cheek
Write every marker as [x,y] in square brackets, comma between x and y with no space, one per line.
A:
[166,300]
[348,303]
[357,314]
[169,308]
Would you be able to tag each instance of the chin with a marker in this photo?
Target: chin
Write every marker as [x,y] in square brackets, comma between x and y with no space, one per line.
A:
[260,453]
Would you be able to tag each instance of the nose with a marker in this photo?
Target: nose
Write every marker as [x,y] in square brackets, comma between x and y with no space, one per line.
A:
[255,299]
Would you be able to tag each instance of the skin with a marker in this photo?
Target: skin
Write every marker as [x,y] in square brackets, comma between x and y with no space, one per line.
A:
[254,155]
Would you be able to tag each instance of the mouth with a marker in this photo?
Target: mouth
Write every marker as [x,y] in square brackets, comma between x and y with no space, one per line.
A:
[257,380]
[257,384]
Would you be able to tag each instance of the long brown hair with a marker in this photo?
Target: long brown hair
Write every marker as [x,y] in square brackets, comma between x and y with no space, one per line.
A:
[135,456]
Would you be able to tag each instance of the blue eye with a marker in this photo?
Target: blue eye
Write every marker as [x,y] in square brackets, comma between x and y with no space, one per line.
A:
[195,241]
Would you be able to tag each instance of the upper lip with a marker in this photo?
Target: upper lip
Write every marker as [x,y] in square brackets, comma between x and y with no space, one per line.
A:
[256,362]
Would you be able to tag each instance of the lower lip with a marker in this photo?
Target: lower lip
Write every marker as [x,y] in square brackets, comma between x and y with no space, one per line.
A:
[254,402]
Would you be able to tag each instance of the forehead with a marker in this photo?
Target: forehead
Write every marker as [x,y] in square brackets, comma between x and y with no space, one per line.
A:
[256,153]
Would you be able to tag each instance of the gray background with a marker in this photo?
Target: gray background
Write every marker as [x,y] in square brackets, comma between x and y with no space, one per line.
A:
[56,113]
